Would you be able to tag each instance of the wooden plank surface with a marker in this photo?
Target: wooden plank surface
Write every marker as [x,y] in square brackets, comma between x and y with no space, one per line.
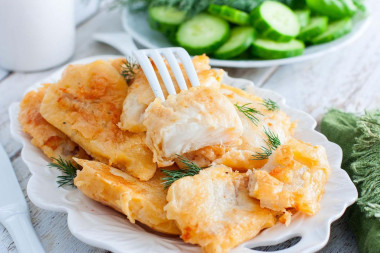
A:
[348,80]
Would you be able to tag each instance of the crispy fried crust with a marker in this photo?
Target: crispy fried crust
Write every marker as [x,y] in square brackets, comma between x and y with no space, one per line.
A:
[213,209]
[141,201]
[294,177]
[49,139]
[239,157]
[86,105]
[140,94]
[207,117]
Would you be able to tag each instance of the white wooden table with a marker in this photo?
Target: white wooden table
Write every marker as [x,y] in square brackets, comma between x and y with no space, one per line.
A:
[349,80]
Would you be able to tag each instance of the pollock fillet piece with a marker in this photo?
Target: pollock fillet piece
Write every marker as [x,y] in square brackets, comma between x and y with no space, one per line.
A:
[140,94]
[86,105]
[213,209]
[239,157]
[188,121]
[294,177]
[139,201]
[49,139]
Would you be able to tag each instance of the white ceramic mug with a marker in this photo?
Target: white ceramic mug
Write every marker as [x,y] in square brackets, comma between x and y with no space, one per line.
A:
[36,34]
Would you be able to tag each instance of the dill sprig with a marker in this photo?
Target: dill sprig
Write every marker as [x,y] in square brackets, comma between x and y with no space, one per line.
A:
[273,142]
[249,112]
[128,70]
[192,169]
[68,169]
[270,104]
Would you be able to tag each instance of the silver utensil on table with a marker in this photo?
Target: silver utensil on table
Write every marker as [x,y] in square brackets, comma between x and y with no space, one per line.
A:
[14,213]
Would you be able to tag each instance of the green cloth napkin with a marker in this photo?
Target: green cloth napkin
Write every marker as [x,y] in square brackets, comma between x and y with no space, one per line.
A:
[359,138]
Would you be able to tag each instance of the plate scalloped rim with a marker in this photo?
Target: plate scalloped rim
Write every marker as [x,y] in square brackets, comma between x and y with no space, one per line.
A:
[103,227]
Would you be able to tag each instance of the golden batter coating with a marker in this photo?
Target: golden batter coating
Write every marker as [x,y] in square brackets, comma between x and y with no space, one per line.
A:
[239,157]
[213,209]
[294,177]
[49,139]
[140,94]
[141,201]
[86,105]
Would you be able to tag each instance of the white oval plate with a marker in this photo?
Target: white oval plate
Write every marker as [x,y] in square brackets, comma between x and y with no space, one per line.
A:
[103,227]
[136,24]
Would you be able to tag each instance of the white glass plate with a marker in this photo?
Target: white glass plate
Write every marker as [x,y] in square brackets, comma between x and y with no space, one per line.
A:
[103,227]
[136,24]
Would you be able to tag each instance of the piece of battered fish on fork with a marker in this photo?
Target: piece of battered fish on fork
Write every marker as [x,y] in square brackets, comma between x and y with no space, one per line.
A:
[86,105]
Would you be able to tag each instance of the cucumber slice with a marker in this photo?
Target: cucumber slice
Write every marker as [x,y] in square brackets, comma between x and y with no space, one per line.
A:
[303,16]
[203,34]
[275,21]
[166,19]
[240,40]
[317,26]
[231,14]
[334,31]
[335,9]
[269,49]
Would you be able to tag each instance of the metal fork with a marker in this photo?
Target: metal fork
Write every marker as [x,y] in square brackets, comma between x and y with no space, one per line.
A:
[172,55]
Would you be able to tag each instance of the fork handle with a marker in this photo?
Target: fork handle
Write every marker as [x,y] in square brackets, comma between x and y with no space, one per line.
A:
[24,236]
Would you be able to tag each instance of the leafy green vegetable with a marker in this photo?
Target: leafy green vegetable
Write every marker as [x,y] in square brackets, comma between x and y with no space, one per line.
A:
[271,105]
[191,169]
[68,169]
[273,143]
[128,70]
[249,112]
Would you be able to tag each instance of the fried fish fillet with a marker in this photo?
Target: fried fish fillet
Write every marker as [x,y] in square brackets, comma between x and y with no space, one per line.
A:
[49,139]
[213,209]
[86,105]
[239,157]
[294,177]
[140,94]
[141,201]
[188,121]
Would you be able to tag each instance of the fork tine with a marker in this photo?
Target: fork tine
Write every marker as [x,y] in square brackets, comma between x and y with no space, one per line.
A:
[188,65]
[150,74]
[173,63]
[163,70]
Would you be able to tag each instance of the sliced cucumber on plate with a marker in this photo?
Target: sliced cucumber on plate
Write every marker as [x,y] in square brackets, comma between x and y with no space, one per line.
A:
[203,34]
[334,31]
[316,26]
[269,49]
[275,21]
[166,19]
[227,32]
[240,40]
[303,16]
[334,9]
[233,15]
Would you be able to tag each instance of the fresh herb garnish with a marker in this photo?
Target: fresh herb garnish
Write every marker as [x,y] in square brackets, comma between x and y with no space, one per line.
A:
[192,169]
[128,70]
[273,142]
[249,112]
[270,104]
[68,168]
